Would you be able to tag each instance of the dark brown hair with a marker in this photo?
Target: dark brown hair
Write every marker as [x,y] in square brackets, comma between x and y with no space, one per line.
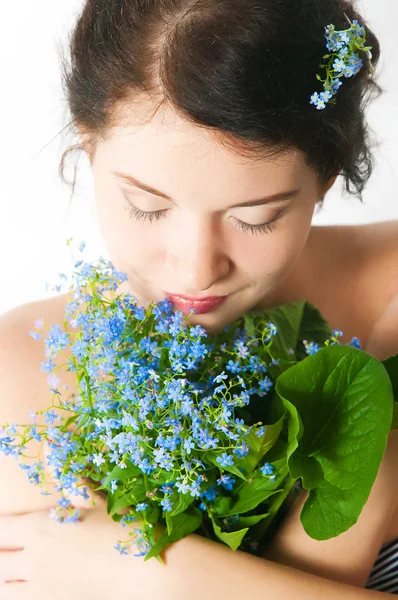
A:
[243,68]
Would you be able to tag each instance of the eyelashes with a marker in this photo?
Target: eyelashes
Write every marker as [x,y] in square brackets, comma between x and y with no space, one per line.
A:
[139,215]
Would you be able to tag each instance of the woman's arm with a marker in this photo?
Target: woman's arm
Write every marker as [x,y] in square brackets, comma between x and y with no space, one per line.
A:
[198,569]
[350,557]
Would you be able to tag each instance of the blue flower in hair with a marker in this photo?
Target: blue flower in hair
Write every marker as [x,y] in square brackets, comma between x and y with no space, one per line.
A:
[343,60]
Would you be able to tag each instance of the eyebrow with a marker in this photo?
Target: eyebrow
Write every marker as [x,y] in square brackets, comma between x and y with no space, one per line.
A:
[133,181]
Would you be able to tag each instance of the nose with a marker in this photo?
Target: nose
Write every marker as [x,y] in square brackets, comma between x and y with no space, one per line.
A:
[196,257]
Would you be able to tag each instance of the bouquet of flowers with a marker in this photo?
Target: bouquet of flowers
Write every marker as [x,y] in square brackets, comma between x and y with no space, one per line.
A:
[189,432]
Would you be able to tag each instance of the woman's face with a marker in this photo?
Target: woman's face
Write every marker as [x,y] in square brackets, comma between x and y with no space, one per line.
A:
[197,242]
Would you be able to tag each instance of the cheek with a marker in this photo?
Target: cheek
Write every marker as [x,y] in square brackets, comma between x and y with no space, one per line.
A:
[278,253]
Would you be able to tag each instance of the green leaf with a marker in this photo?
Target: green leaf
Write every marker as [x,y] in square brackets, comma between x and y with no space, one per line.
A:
[152,514]
[313,328]
[221,505]
[109,503]
[130,498]
[182,525]
[259,446]
[250,494]
[70,421]
[252,520]
[295,322]
[169,523]
[248,319]
[306,467]
[180,502]
[82,421]
[163,361]
[121,474]
[287,319]
[340,402]
[232,539]
[162,477]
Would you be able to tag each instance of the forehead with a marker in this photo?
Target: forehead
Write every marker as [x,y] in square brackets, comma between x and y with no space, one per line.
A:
[162,148]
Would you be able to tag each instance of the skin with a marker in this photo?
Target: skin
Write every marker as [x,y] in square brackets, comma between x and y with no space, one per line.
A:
[196,247]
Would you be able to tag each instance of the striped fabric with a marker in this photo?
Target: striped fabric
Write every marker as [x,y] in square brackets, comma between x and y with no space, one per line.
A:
[384,575]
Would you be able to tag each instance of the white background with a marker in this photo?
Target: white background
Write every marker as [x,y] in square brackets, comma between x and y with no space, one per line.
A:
[34,217]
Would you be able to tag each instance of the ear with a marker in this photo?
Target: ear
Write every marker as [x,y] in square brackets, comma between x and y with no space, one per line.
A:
[329,184]
[88,143]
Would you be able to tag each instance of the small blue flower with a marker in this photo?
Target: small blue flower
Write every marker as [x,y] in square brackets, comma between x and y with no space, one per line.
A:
[349,71]
[337,333]
[141,506]
[267,469]
[336,85]
[98,459]
[344,37]
[167,504]
[220,377]
[339,65]
[225,460]
[314,98]
[226,481]
[261,431]
[210,494]
[311,347]
[326,96]
[50,416]
[121,548]
[343,52]
[356,343]
[64,502]
[114,485]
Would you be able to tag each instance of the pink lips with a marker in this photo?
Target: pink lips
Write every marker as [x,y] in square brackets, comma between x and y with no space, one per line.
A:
[206,305]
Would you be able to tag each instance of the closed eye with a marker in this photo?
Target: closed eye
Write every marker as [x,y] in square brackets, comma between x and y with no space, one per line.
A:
[139,215]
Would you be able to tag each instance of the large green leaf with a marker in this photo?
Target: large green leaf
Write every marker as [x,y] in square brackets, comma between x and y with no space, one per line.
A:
[340,403]
[306,467]
[183,525]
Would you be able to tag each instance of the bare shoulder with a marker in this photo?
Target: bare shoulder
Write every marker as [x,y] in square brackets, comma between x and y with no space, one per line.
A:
[383,240]
[24,387]
[19,352]
[375,239]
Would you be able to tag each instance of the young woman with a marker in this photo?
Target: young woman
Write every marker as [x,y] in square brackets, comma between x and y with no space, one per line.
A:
[209,161]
